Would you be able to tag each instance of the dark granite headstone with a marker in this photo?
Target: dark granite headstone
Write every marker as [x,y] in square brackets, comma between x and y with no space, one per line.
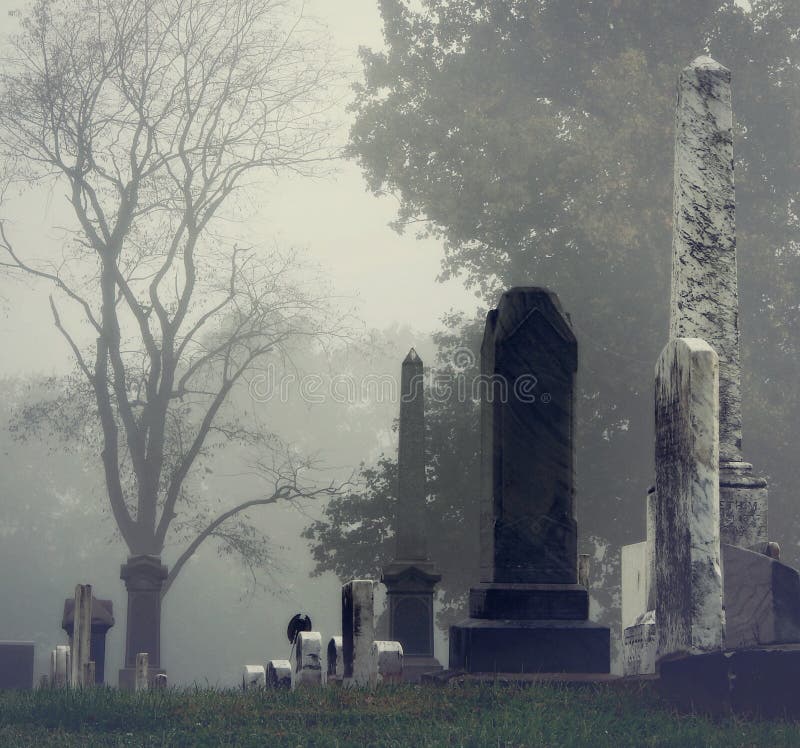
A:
[529,614]
[102,621]
[16,665]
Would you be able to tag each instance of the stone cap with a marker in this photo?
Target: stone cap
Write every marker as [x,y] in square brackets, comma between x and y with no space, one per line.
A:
[102,615]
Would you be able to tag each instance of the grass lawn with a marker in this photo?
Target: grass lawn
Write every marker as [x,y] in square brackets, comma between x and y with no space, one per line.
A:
[467,715]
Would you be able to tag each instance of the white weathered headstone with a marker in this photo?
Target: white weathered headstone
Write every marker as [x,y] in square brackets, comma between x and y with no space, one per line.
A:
[358,630]
[386,663]
[81,634]
[635,582]
[335,660]
[689,613]
[254,676]
[142,671]
[279,674]
[60,666]
[308,659]
[160,681]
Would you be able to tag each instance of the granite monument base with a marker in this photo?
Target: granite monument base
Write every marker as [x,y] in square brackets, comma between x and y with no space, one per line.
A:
[532,646]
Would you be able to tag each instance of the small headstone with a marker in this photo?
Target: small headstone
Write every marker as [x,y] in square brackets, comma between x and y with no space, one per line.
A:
[335,660]
[142,671]
[386,663]
[44,681]
[82,633]
[308,659]
[279,674]
[254,676]
[60,666]
[358,630]
[160,681]
[16,665]
[689,612]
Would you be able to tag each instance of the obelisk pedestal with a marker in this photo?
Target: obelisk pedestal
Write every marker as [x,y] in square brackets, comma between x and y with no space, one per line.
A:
[411,578]
[528,614]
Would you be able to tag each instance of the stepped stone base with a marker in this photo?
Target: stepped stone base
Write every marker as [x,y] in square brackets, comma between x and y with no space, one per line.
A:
[531,602]
[543,646]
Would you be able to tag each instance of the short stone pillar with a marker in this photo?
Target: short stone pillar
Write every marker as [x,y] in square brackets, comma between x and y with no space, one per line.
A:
[308,659]
[358,630]
[689,613]
[144,577]
[102,621]
[142,681]
[528,614]
[16,664]
[253,676]
[386,663]
[279,674]
[81,637]
[335,661]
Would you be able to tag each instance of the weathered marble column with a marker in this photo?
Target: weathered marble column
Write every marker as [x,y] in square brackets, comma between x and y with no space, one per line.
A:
[688,583]
[81,635]
[358,630]
[144,577]
[529,614]
[705,299]
[410,578]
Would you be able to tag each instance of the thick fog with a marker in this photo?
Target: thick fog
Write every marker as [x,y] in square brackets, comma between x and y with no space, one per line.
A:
[576,200]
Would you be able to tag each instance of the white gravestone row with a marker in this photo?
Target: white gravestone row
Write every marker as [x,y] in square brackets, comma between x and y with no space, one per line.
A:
[353,659]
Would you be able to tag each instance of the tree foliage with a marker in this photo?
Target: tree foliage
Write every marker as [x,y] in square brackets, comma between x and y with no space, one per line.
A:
[535,139]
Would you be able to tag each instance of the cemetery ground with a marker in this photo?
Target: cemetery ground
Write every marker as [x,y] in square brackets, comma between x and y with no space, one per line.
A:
[472,714]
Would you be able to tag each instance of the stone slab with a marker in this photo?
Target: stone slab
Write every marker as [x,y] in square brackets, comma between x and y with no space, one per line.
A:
[634,569]
[16,664]
[756,682]
[529,602]
[639,646]
[762,599]
[530,647]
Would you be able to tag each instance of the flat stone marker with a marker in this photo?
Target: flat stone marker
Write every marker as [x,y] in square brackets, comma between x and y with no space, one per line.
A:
[308,659]
[254,676]
[689,612]
[358,630]
[279,674]
[386,663]
[16,665]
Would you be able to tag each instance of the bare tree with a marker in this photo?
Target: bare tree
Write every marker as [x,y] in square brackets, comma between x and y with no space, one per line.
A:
[153,114]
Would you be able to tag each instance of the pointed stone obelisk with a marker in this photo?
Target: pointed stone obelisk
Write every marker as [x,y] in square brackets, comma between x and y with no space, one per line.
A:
[705,299]
[410,579]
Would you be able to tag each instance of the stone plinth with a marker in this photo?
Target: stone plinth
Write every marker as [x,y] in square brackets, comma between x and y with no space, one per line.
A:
[689,612]
[528,614]
[144,577]
[16,665]
[102,621]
